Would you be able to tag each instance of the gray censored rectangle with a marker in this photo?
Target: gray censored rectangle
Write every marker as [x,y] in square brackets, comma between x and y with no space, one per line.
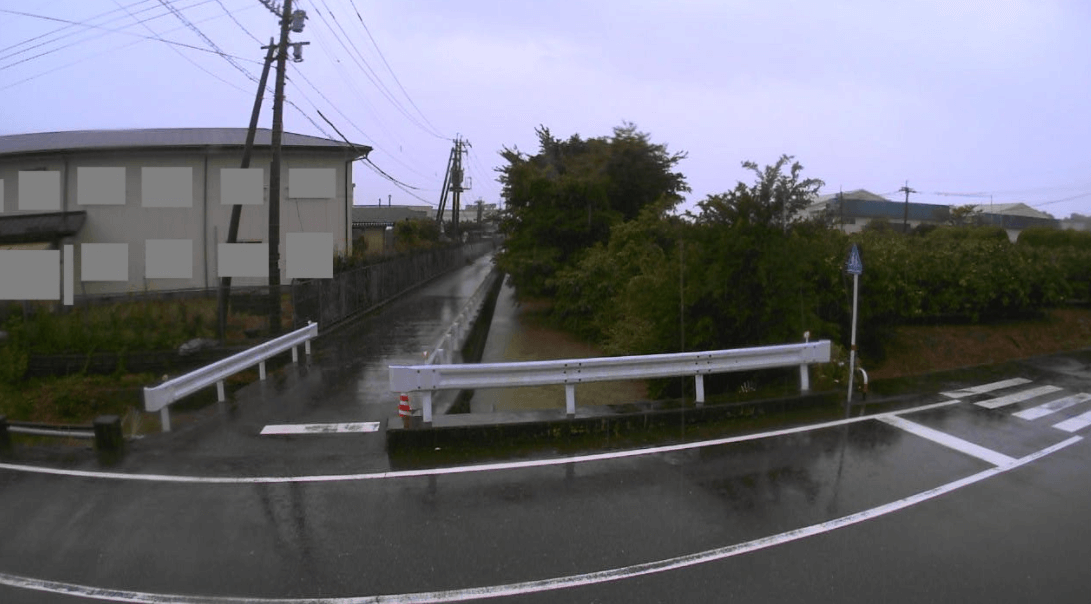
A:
[40,191]
[104,262]
[308,255]
[168,258]
[166,187]
[242,186]
[30,274]
[242,259]
[312,183]
[100,186]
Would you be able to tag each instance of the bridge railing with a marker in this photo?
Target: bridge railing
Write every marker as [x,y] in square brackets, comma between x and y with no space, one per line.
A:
[459,329]
[427,379]
[159,398]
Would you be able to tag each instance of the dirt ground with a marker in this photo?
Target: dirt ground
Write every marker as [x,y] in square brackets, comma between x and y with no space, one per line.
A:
[918,349]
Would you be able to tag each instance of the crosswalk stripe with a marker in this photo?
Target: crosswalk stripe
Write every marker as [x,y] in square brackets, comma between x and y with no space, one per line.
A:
[994,457]
[1052,406]
[1075,423]
[982,389]
[1017,397]
[321,428]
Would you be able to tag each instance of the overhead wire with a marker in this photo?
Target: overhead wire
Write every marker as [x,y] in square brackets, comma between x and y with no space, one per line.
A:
[60,29]
[87,57]
[388,67]
[368,72]
[105,30]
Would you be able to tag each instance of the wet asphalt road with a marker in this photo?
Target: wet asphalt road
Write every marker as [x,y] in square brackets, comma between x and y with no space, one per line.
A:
[940,504]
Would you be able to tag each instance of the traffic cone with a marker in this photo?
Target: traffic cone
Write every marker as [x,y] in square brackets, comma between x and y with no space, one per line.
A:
[405,411]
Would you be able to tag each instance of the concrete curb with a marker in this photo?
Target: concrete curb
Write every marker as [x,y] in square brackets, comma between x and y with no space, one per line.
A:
[548,425]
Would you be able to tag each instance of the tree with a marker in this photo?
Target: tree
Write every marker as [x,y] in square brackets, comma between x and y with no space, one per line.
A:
[565,199]
[774,199]
[966,215]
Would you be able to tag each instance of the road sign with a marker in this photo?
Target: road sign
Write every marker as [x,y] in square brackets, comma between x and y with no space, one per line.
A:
[854,266]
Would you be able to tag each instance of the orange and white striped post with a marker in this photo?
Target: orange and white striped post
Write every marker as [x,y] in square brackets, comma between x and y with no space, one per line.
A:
[404,410]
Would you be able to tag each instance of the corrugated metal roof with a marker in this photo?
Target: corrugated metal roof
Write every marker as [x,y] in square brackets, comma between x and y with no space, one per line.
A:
[861,194]
[23,228]
[72,140]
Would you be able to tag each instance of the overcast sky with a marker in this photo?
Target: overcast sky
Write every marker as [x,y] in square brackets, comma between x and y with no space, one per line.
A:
[969,97]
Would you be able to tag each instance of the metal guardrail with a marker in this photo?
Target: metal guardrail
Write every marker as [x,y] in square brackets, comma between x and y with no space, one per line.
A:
[159,398]
[427,379]
[105,431]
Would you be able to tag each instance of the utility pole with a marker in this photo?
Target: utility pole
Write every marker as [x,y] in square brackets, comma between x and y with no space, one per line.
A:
[905,218]
[236,210]
[293,21]
[456,185]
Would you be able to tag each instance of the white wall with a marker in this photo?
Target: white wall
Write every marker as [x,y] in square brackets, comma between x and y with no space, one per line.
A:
[205,222]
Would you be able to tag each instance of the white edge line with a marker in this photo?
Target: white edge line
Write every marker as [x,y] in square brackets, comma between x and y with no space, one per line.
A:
[510,465]
[996,458]
[542,585]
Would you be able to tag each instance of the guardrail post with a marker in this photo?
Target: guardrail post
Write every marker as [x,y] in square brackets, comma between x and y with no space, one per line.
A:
[427,406]
[261,371]
[5,437]
[295,354]
[108,433]
[699,383]
[164,418]
[804,378]
[570,399]
[220,391]
[307,347]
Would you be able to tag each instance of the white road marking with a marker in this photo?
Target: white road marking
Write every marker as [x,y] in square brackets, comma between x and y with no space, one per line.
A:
[982,389]
[1017,397]
[511,465]
[543,585]
[1052,406]
[321,428]
[1075,423]
[947,440]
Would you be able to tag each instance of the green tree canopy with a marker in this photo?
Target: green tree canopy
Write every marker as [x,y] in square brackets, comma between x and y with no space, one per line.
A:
[566,198]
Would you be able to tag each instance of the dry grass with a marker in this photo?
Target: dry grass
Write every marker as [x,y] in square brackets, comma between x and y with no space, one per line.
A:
[920,349]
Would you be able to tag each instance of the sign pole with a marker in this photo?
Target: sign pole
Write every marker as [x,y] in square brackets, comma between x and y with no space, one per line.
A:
[855,267]
[852,348]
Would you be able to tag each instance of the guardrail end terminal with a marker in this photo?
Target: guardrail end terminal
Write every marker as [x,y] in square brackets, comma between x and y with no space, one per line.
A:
[5,437]
[108,435]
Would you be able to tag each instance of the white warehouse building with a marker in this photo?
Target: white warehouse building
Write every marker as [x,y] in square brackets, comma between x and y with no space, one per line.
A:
[144,210]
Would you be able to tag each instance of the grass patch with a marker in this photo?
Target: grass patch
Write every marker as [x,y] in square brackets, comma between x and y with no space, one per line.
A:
[920,349]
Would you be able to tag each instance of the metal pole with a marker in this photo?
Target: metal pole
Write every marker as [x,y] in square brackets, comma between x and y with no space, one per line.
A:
[852,348]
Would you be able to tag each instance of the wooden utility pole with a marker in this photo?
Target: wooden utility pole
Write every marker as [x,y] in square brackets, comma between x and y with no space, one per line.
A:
[456,185]
[236,210]
[905,218]
[274,174]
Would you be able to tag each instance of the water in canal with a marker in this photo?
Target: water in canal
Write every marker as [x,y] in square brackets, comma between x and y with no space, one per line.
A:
[517,333]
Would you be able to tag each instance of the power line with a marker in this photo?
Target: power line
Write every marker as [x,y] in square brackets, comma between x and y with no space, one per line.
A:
[105,31]
[368,72]
[87,57]
[388,68]
[59,29]
[241,26]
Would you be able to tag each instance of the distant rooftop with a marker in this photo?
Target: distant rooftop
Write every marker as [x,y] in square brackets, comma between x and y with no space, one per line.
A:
[85,140]
[854,194]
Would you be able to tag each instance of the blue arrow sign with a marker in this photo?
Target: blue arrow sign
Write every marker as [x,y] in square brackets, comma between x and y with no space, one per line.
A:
[854,266]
